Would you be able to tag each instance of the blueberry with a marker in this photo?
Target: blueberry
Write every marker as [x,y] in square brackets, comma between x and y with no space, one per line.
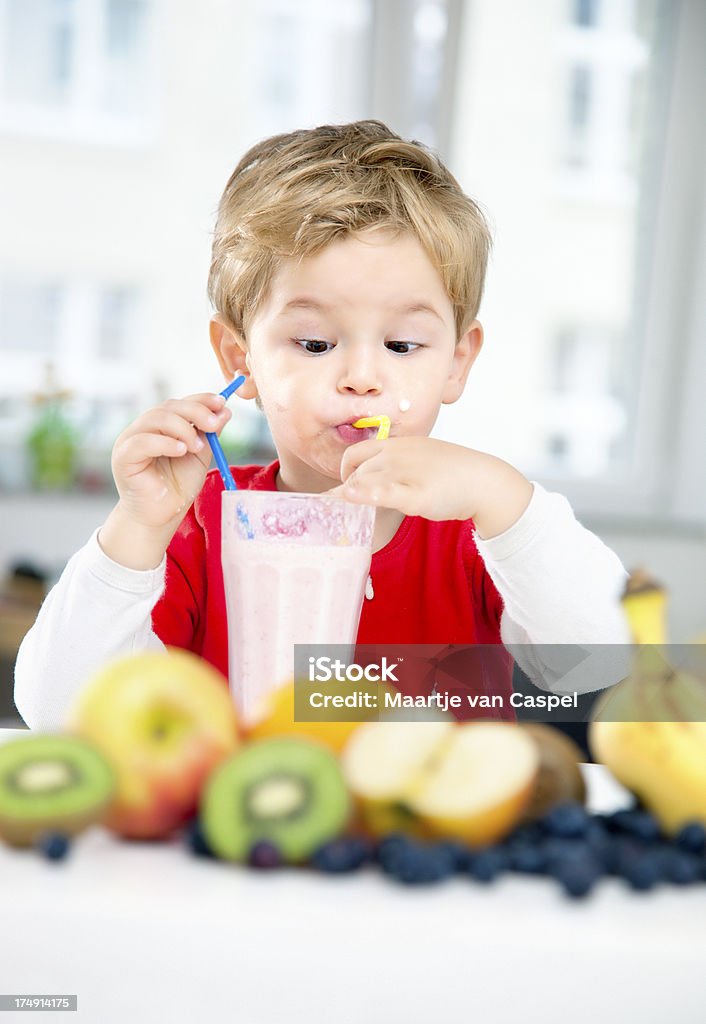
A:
[600,842]
[663,852]
[528,858]
[347,853]
[196,840]
[531,832]
[391,847]
[638,823]
[692,837]
[264,855]
[460,854]
[566,821]
[557,850]
[415,863]
[53,845]
[627,851]
[681,868]
[643,871]
[410,869]
[577,876]
[441,862]
[615,822]
[633,822]
[487,863]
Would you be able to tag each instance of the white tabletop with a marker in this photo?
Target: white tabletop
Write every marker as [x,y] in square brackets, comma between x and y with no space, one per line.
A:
[147,932]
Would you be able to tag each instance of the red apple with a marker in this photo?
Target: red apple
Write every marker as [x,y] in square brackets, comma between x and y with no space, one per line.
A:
[163,720]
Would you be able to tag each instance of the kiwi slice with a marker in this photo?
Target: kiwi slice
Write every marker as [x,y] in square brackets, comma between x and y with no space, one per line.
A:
[559,778]
[51,783]
[287,790]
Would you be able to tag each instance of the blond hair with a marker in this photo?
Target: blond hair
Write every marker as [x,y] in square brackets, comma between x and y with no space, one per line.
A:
[292,194]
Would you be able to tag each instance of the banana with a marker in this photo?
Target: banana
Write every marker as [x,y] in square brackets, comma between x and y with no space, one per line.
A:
[645,605]
[650,732]
[650,729]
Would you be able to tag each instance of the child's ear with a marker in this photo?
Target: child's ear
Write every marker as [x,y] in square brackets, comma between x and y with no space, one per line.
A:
[231,353]
[465,353]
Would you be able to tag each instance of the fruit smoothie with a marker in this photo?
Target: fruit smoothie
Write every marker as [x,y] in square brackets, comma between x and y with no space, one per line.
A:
[294,568]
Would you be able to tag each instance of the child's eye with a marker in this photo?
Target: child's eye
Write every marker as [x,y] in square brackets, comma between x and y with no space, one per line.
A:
[314,346]
[402,347]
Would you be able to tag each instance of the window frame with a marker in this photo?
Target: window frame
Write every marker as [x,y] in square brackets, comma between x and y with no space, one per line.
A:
[664,482]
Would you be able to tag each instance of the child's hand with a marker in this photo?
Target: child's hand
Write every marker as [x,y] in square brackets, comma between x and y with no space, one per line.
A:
[160,461]
[421,476]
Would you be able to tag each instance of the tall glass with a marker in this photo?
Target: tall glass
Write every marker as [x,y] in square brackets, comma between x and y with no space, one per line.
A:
[294,569]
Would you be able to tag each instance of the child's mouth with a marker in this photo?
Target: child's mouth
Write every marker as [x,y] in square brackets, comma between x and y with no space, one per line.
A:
[352,435]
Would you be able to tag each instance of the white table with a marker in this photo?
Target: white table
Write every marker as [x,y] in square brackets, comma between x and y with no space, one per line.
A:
[146,932]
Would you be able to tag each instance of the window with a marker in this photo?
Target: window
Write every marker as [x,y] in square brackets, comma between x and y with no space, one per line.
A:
[604,85]
[30,315]
[593,179]
[582,414]
[77,68]
[428,54]
[579,111]
[115,315]
[124,56]
[577,131]
[308,63]
[39,50]
[355,59]
[90,331]
[586,12]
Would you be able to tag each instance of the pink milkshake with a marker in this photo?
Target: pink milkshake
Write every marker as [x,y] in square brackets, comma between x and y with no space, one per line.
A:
[294,570]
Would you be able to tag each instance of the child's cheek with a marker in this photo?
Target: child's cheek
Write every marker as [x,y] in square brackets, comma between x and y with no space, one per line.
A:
[274,402]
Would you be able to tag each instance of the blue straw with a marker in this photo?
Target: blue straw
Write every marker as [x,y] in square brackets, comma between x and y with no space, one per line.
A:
[232,387]
[218,453]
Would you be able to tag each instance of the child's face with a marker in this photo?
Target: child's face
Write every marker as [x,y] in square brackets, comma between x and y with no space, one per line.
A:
[335,341]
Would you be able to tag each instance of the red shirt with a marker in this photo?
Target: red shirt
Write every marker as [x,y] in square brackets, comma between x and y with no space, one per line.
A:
[430,587]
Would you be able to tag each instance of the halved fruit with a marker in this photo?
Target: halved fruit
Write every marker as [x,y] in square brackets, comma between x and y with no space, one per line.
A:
[51,783]
[288,791]
[559,779]
[469,781]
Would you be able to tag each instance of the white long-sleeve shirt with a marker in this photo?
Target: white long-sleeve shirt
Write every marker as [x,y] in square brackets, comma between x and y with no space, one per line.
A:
[560,584]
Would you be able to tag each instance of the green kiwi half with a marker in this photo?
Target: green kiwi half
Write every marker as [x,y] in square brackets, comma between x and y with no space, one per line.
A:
[51,783]
[287,790]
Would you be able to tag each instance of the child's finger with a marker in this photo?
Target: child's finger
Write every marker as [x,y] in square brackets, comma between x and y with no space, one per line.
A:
[140,448]
[214,401]
[203,417]
[373,489]
[357,454]
[158,421]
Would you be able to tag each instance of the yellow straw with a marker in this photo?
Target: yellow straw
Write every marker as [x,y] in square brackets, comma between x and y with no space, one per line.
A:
[381,422]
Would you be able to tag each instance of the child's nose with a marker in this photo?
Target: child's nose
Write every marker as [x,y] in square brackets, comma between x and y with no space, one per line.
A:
[360,376]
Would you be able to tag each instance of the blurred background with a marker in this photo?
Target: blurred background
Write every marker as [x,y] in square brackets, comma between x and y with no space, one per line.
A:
[575,124]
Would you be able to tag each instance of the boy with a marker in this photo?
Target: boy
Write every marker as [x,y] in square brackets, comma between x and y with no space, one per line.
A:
[347,272]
